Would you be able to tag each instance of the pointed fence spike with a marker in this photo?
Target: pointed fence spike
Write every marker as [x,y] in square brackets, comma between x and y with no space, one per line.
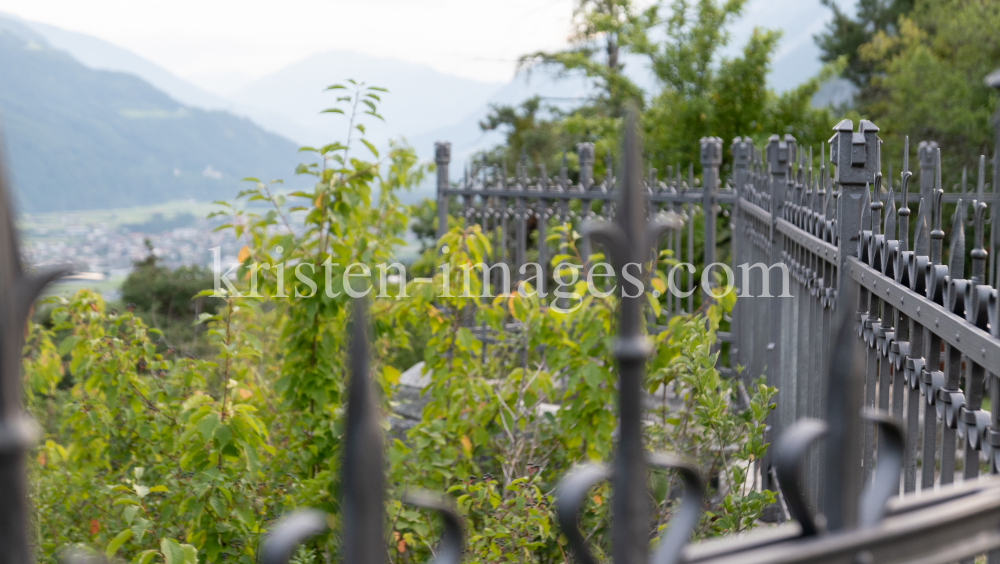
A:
[890,216]
[956,252]
[922,242]
[906,154]
[981,179]
[866,209]
[937,234]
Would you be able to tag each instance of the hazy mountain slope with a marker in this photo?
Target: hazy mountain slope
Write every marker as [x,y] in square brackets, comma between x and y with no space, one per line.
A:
[77,138]
[419,98]
[101,55]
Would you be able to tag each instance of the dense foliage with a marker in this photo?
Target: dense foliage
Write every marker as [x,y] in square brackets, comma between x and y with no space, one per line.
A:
[151,456]
[166,299]
[920,65]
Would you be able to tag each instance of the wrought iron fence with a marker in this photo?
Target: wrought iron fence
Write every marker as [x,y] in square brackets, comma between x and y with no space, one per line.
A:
[868,323]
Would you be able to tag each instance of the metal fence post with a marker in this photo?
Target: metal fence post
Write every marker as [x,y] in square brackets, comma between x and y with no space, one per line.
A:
[854,156]
[442,156]
[711,159]
[14,428]
[779,154]
[742,151]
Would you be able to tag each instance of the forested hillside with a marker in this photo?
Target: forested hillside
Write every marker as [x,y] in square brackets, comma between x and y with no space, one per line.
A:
[77,138]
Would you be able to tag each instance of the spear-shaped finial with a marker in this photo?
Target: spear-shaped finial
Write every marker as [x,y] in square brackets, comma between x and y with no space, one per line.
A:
[866,208]
[877,205]
[904,208]
[937,234]
[890,216]
[979,253]
[922,242]
[956,253]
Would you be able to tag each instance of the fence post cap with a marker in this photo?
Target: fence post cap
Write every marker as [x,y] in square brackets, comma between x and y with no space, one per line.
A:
[741,149]
[854,154]
[925,153]
[442,151]
[780,152]
[711,150]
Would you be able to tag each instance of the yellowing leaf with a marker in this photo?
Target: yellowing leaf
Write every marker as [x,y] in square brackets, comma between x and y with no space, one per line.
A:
[244,254]
[598,500]
[391,375]
[658,285]
[466,446]
[160,488]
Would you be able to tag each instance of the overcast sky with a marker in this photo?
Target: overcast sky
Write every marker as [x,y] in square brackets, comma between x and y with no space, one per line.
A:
[474,38]
[213,40]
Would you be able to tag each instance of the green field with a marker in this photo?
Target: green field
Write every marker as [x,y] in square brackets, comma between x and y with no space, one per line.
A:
[112,218]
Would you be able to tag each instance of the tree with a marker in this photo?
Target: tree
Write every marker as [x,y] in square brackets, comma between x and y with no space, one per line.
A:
[699,92]
[845,35]
[704,94]
[929,78]
[602,28]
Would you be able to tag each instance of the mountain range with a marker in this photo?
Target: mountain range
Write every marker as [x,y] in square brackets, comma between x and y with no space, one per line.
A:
[126,131]
[79,138]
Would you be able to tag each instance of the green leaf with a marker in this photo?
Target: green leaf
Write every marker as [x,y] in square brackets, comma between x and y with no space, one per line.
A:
[172,551]
[223,434]
[117,542]
[160,488]
[67,344]
[370,147]
[145,557]
[130,513]
[190,554]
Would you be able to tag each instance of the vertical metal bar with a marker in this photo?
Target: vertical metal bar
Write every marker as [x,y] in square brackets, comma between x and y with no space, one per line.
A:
[629,528]
[363,467]
[855,169]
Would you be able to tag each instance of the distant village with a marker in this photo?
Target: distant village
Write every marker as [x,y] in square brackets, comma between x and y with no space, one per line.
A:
[99,251]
